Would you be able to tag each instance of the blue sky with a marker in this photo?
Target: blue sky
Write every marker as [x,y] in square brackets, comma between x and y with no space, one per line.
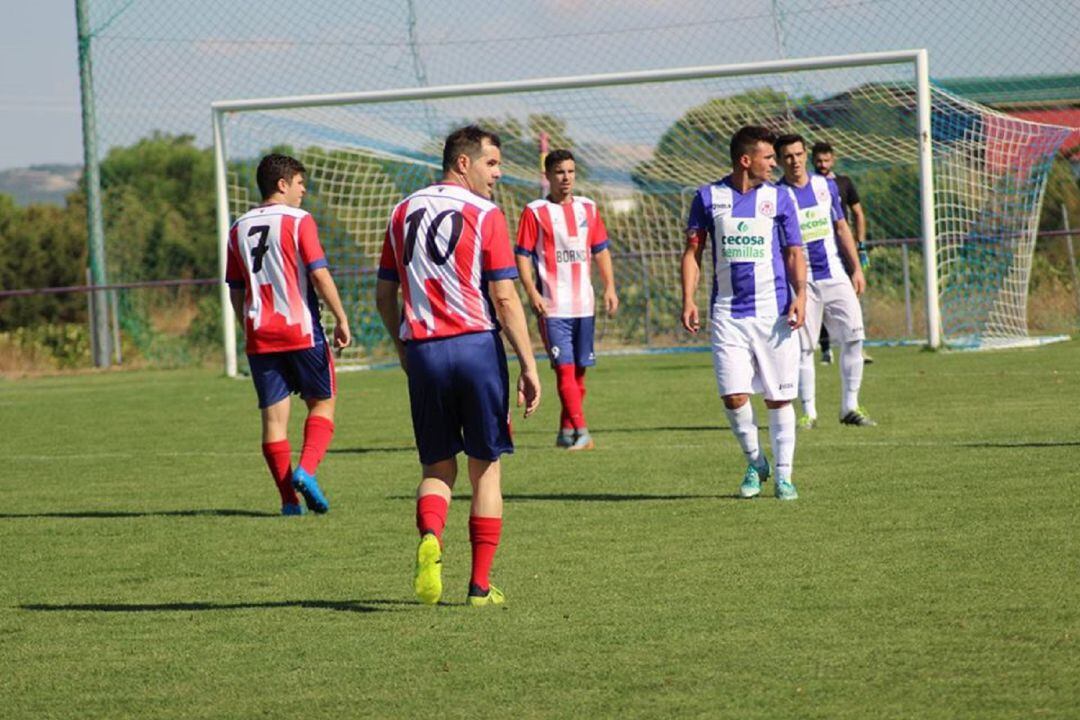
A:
[39,85]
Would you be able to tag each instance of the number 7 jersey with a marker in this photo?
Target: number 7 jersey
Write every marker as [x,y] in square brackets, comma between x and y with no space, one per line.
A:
[272,248]
[444,244]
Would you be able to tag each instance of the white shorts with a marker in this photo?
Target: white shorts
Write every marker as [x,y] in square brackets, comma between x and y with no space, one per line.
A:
[755,355]
[836,304]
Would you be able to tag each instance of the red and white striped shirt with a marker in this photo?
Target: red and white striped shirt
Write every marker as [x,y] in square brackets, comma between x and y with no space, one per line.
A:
[272,248]
[561,238]
[444,244]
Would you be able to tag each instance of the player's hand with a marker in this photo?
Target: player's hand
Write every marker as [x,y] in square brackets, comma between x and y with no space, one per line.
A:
[858,281]
[539,305]
[342,336]
[528,391]
[690,319]
[797,312]
[611,302]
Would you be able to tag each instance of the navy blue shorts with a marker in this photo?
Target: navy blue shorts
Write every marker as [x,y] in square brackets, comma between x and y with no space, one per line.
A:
[569,340]
[307,372]
[459,392]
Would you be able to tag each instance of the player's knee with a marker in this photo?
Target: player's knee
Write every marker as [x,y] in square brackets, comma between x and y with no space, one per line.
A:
[734,402]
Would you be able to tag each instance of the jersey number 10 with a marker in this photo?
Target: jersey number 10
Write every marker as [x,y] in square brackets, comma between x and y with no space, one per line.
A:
[412,229]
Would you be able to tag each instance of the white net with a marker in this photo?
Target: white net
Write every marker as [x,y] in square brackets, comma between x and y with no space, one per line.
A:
[641,152]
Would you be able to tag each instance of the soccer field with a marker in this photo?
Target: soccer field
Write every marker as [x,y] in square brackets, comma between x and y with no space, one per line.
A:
[929,568]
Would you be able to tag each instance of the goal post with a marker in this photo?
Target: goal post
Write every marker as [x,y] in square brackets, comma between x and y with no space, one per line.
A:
[643,140]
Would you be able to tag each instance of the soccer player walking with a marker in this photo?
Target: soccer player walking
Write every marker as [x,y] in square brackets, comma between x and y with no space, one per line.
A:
[274,269]
[835,281]
[758,300]
[448,250]
[562,234]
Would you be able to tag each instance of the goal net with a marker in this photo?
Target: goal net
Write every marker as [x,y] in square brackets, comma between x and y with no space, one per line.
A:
[644,142]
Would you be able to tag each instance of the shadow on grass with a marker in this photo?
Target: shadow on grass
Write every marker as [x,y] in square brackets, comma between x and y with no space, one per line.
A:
[584,497]
[107,514]
[601,431]
[366,450]
[357,606]
[1036,444]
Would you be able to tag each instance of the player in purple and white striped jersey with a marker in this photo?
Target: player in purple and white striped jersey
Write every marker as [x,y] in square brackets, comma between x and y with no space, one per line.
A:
[758,300]
[835,281]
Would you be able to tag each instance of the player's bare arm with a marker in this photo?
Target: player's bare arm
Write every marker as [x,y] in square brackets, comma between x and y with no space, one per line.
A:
[536,300]
[795,266]
[607,276]
[860,223]
[386,301]
[327,290]
[850,255]
[691,270]
[511,316]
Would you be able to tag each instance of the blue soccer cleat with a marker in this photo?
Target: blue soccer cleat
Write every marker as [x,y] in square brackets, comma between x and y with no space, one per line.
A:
[292,509]
[752,479]
[582,441]
[306,485]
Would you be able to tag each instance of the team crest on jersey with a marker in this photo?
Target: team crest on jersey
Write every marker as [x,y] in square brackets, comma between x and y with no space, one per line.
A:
[822,196]
[767,209]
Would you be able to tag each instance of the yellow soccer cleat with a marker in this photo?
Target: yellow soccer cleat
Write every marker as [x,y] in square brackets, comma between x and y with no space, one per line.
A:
[427,580]
[494,596]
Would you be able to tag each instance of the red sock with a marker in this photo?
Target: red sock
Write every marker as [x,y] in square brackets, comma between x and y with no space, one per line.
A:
[317,433]
[564,421]
[431,515]
[484,535]
[579,375]
[569,395]
[279,459]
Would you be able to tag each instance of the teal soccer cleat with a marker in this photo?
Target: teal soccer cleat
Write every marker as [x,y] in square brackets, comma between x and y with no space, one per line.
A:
[785,490]
[752,479]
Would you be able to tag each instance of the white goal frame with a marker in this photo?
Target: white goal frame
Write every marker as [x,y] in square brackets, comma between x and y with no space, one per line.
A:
[918,58]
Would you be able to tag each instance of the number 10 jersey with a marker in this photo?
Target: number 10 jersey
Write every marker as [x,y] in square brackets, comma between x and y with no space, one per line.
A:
[444,244]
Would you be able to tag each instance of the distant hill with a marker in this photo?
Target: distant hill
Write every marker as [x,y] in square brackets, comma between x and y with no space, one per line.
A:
[47,184]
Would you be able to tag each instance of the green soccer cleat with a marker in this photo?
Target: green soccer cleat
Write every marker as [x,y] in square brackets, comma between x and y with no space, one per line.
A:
[785,490]
[858,418]
[494,596]
[752,479]
[806,422]
[427,579]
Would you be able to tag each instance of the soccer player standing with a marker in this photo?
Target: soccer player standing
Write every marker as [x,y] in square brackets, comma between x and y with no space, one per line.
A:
[758,300]
[448,250]
[274,268]
[562,234]
[824,158]
[835,280]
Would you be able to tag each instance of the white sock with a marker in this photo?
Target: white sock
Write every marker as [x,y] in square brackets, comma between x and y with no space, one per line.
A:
[746,432]
[782,437]
[851,370]
[807,379]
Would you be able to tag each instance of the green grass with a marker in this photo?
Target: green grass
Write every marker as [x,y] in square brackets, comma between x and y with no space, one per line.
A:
[928,570]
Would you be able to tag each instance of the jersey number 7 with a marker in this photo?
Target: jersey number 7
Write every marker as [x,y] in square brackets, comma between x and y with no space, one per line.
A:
[257,252]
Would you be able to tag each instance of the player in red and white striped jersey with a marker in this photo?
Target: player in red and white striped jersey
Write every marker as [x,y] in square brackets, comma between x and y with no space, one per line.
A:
[561,235]
[448,251]
[274,268]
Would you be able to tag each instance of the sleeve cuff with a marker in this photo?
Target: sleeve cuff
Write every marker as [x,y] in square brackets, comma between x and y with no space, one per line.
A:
[508,273]
[523,252]
[320,263]
[601,246]
[387,274]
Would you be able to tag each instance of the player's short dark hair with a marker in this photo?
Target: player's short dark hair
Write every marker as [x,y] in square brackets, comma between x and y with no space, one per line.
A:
[553,158]
[466,140]
[821,148]
[276,167]
[746,139]
[790,139]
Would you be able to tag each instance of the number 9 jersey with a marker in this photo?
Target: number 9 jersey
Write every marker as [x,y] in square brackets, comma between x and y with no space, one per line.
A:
[272,248]
[444,244]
